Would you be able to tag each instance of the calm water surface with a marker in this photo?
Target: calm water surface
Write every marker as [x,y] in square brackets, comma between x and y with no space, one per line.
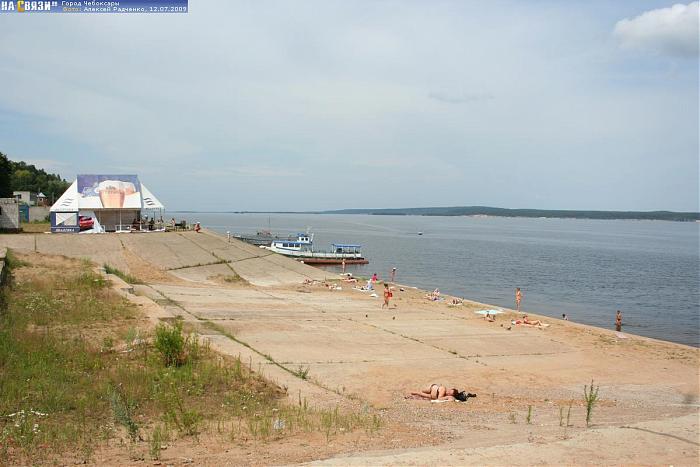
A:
[585,268]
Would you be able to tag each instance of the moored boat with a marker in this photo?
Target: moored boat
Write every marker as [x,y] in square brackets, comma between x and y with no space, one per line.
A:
[347,253]
[265,238]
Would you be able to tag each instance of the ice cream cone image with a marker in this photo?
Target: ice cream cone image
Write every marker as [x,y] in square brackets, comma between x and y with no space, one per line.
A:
[113,192]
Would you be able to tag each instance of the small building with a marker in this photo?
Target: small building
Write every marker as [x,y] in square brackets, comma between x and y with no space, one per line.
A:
[9,215]
[106,203]
[41,199]
[25,197]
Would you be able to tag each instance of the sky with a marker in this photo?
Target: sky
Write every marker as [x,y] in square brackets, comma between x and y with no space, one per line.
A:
[312,105]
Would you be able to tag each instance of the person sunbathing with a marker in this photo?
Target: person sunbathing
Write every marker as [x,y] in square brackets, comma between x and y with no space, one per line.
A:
[348,278]
[536,322]
[528,322]
[433,296]
[437,392]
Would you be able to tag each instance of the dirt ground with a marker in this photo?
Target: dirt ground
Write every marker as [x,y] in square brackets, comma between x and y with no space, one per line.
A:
[529,381]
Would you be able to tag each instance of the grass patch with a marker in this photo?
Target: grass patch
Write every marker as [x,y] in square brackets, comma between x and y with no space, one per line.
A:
[77,374]
[302,372]
[35,227]
[11,260]
[128,278]
[233,278]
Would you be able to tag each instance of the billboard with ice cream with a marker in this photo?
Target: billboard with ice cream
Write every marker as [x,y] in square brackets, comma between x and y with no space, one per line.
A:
[109,191]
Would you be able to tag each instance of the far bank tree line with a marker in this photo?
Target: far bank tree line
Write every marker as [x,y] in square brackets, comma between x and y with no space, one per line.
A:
[20,176]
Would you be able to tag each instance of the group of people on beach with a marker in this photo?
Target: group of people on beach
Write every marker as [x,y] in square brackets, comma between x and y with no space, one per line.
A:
[441,393]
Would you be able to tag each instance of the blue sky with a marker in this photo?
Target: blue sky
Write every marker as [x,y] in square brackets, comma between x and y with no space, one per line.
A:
[323,104]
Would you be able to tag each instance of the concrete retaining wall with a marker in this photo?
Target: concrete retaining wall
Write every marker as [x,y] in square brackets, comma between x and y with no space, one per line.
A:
[9,215]
[38,213]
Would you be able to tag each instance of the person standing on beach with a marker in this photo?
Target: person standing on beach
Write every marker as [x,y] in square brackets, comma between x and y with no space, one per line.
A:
[374,278]
[387,296]
[518,298]
[618,321]
[393,274]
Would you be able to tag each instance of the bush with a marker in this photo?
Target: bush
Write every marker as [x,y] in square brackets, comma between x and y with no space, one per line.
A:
[171,344]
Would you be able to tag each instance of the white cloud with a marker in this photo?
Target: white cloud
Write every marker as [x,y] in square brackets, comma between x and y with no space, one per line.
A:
[670,31]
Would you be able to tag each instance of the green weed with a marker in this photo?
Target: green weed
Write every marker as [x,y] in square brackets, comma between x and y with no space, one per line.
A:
[171,344]
[123,410]
[590,395]
[302,372]
[128,278]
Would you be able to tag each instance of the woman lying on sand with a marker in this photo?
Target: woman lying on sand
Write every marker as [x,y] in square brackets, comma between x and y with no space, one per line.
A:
[527,321]
[436,392]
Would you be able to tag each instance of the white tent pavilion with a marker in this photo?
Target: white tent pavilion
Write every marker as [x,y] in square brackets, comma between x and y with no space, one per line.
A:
[105,203]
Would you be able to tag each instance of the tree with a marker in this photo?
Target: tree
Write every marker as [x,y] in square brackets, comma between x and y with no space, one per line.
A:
[26,177]
[5,177]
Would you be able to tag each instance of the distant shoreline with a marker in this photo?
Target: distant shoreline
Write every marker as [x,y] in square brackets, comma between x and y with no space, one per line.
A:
[484,211]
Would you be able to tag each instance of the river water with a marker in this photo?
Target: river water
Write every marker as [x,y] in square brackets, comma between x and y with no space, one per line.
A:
[587,269]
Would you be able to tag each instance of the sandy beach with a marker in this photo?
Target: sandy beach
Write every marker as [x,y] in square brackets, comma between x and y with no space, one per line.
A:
[529,380]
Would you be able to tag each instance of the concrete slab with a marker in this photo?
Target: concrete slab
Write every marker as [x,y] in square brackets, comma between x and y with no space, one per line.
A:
[101,249]
[219,247]
[305,341]
[202,274]
[167,250]
[20,242]
[490,344]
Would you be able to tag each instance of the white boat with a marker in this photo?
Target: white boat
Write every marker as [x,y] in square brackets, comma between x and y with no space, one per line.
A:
[265,238]
[302,250]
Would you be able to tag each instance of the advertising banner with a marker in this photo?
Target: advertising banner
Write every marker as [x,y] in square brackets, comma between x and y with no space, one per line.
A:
[109,192]
[64,222]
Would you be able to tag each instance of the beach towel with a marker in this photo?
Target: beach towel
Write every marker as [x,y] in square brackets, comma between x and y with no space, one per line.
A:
[488,312]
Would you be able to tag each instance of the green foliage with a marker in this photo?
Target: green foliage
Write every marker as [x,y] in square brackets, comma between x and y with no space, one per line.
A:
[159,436]
[528,419]
[128,278]
[171,344]
[590,395]
[123,410]
[302,372]
[63,391]
[26,177]
[5,177]
[175,411]
[12,262]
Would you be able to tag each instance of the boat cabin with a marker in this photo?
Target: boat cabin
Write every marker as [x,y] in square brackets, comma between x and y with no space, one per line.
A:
[303,241]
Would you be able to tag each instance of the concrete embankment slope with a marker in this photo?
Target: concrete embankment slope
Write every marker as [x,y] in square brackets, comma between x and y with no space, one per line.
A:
[187,255]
